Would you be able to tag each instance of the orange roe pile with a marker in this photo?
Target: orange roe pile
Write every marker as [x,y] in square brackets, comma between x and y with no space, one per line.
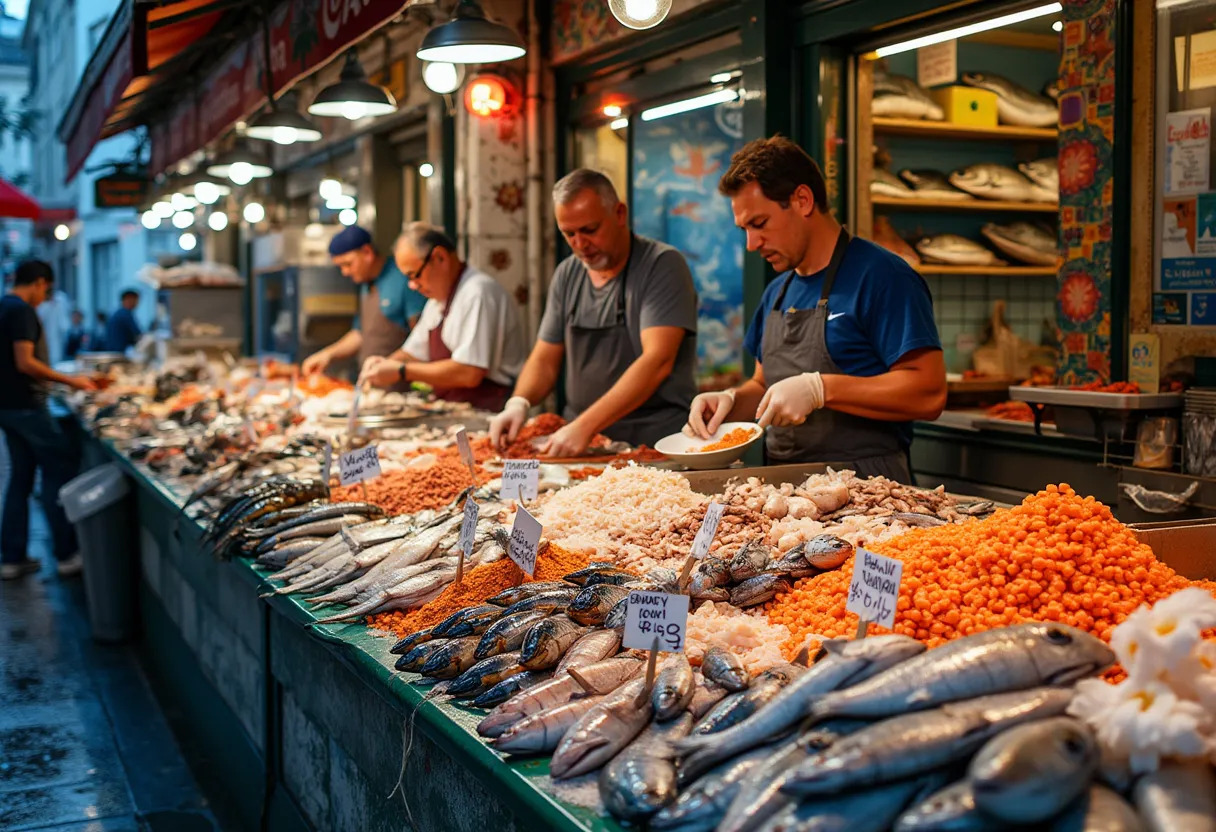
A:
[413,489]
[733,437]
[552,564]
[1056,557]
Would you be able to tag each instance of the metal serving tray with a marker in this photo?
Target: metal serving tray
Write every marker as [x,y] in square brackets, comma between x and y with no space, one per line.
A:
[1104,401]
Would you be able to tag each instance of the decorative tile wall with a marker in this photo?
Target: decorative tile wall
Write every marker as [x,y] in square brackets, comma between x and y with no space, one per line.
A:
[962,307]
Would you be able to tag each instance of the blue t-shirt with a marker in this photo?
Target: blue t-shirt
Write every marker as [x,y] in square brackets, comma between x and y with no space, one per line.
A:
[398,302]
[879,311]
[122,330]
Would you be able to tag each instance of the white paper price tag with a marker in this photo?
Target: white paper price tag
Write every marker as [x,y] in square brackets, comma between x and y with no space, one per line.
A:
[466,451]
[655,614]
[327,463]
[525,540]
[356,466]
[519,479]
[468,526]
[709,528]
[874,589]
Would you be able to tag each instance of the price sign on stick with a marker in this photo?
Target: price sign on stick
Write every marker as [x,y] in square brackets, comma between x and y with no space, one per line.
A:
[874,590]
[466,453]
[353,416]
[709,528]
[525,541]
[327,463]
[651,615]
[360,465]
[519,479]
[468,529]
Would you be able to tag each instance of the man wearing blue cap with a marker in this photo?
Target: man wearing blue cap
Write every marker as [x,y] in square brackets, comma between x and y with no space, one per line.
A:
[388,307]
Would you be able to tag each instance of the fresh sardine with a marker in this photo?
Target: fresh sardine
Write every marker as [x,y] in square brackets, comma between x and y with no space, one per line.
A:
[516,594]
[508,687]
[708,579]
[931,184]
[600,574]
[1015,104]
[540,733]
[1178,797]
[413,659]
[723,667]
[739,706]
[827,551]
[407,644]
[750,560]
[507,633]
[1101,810]
[950,810]
[872,810]
[450,660]
[1032,772]
[705,694]
[484,675]
[673,689]
[469,621]
[1023,241]
[603,731]
[702,805]
[553,601]
[641,780]
[595,646]
[592,605]
[547,641]
[615,620]
[954,250]
[1006,659]
[758,590]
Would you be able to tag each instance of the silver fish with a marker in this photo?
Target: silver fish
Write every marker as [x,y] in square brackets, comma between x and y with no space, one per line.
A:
[931,184]
[954,250]
[508,687]
[847,663]
[484,675]
[673,688]
[908,745]
[989,180]
[641,780]
[872,810]
[1006,659]
[826,551]
[1023,241]
[413,659]
[708,579]
[1043,172]
[450,660]
[739,706]
[1178,797]
[705,695]
[950,810]
[1052,89]
[516,594]
[540,733]
[547,641]
[554,601]
[592,605]
[507,633]
[1102,810]
[1015,104]
[601,733]
[615,620]
[723,667]
[758,590]
[1032,772]
[599,573]
[447,628]
[896,96]
[886,183]
[595,646]
[750,560]
[408,643]
[702,805]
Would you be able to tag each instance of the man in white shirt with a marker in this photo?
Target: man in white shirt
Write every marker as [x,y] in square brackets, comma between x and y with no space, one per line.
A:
[468,344]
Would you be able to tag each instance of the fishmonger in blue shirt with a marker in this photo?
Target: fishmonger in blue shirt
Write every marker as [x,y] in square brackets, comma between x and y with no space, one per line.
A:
[122,330]
[847,351]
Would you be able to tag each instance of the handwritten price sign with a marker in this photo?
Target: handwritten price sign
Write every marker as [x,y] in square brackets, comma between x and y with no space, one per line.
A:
[650,614]
[874,589]
[468,526]
[525,540]
[519,479]
[709,528]
[356,466]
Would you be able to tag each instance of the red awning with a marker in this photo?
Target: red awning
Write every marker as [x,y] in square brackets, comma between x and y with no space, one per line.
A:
[16,203]
[139,53]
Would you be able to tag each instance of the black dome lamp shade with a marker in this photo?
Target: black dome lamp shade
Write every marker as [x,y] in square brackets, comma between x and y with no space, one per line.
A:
[353,97]
[470,38]
[282,123]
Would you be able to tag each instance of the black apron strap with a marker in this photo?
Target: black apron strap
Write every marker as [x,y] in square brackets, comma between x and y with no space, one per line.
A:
[829,277]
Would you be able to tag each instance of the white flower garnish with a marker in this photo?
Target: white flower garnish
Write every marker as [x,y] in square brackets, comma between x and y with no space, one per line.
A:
[1143,722]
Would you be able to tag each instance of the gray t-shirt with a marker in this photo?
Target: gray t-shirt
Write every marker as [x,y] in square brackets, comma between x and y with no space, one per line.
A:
[658,292]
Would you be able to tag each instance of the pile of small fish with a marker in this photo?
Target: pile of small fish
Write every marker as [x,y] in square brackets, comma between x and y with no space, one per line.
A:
[755,573]
[235,520]
[876,734]
[1037,181]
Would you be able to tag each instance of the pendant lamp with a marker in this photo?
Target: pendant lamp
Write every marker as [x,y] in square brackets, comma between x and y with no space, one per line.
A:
[283,124]
[639,14]
[240,165]
[353,97]
[470,38]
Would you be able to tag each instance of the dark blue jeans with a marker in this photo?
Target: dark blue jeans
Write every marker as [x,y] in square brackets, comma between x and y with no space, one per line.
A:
[35,440]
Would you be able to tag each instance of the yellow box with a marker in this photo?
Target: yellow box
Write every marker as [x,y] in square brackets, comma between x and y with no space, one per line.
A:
[967,105]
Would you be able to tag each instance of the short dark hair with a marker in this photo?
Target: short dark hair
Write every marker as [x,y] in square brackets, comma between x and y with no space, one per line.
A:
[778,166]
[33,270]
[128,293]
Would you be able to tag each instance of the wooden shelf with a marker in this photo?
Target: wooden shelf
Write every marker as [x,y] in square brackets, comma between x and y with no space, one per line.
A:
[962,205]
[984,271]
[947,130]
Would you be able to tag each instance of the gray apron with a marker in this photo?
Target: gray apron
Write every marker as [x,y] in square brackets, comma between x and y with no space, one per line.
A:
[380,335]
[795,342]
[596,357]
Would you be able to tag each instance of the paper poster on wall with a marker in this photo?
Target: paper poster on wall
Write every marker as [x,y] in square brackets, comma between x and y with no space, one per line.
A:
[1187,274]
[1188,146]
[1205,225]
[937,64]
[1178,227]
[1169,308]
[1203,60]
[1203,309]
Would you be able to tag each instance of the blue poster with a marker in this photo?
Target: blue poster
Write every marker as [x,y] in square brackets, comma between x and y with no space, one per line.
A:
[1203,309]
[1169,308]
[677,162]
[1188,273]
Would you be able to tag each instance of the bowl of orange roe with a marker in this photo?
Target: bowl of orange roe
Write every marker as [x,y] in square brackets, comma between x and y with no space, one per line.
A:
[728,443]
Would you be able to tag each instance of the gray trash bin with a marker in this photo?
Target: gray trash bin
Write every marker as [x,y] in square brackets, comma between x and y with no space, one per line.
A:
[98,505]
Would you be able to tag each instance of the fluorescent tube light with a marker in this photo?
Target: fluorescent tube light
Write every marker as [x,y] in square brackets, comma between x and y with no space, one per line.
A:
[675,107]
[970,29]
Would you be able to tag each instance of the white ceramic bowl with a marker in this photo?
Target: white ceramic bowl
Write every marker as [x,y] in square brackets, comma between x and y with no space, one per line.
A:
[682,449]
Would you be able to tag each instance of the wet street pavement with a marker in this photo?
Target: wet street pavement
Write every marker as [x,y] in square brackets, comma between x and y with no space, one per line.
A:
[84,746]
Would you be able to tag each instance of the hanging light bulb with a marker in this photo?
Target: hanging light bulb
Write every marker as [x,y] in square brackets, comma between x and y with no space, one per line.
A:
[208,190]
[163,208]
[150,220]
[353,97]
[62,232]
[283,124]
[639,14]
[183,219]
[253,212]
[442,77]
[470,38]
[182,202]
[240,165]
[348,216]
[187,241]
[330,188]
[218,221]
[426,170]
[241,173]
[340,203]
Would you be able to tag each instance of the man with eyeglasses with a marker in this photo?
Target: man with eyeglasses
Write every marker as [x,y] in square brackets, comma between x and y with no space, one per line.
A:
[468,344]
[388,307]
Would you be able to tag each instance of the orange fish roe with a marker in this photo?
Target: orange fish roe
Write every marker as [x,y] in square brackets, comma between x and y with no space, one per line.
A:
[1056,557]
[733,437]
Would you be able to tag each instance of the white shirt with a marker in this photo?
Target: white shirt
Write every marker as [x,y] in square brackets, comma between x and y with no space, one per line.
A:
[55,314]
[482,329]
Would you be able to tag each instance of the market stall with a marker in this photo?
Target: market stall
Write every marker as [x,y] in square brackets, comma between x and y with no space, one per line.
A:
[500,700]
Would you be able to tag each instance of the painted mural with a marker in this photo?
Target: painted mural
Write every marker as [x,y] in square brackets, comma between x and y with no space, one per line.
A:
[677,162]
[1086,150]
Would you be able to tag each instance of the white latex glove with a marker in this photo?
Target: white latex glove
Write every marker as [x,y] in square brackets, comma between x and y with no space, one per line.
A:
[790,401]
[505,426]
[570,441]
[717,404]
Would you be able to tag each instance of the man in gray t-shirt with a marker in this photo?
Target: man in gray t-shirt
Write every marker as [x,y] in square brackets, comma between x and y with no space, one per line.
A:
[622,315]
